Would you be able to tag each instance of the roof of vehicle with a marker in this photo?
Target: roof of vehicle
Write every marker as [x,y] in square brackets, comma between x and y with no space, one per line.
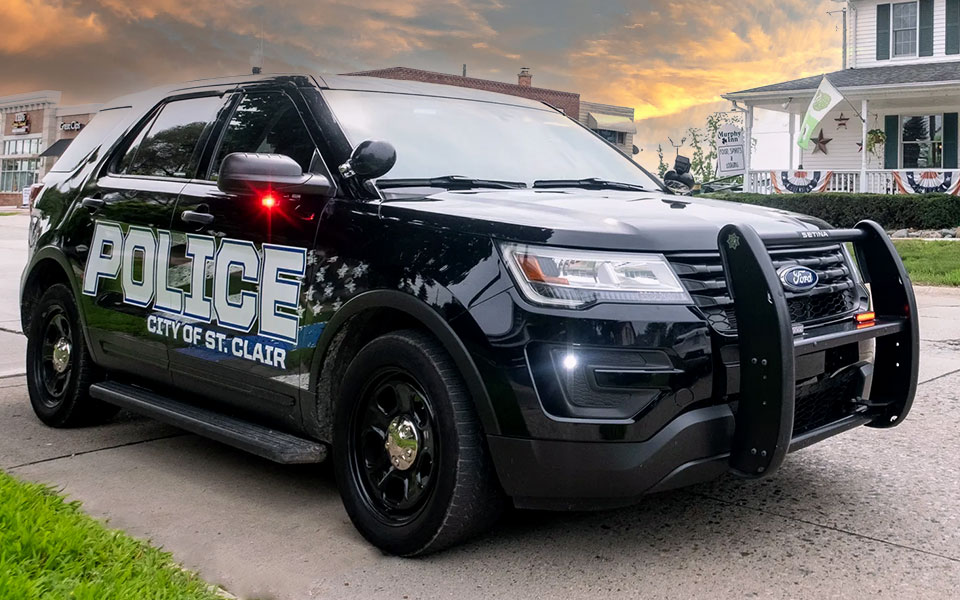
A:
[338,82]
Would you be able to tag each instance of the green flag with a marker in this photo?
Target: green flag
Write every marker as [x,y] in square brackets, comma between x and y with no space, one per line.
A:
[823,102]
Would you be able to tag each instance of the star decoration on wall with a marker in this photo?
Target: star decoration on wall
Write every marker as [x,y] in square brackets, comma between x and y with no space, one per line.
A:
[820,143]
[859,147]
[842,121]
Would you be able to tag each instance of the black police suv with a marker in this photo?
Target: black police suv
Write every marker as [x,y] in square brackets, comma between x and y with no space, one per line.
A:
[468,298]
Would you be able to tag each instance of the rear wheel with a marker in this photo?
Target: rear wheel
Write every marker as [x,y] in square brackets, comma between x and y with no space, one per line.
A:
[59,367]
[409,453]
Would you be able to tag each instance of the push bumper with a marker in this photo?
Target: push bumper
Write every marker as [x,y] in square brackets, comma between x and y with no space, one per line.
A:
[752,438]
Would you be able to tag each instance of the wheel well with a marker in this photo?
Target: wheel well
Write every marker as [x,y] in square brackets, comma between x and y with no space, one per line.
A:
[44,274]
[354,334]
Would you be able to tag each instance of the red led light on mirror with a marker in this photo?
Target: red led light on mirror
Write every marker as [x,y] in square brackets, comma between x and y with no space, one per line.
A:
[268,200]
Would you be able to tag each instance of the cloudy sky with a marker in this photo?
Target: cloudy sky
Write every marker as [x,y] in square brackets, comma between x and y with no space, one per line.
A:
[669,59]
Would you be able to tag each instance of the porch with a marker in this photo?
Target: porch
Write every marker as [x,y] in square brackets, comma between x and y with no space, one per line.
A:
[871,181]
[895,132]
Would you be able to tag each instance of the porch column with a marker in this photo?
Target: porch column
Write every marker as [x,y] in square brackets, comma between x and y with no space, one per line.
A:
[748,151]
[864,106]
[793,140]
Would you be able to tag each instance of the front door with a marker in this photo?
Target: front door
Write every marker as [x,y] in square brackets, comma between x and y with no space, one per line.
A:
[130,207]
[243,351]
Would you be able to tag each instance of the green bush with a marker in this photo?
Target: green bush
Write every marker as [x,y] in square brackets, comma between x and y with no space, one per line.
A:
[931,211]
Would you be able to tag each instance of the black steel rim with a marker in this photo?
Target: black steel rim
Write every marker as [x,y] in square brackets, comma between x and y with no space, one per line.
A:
[56,328]
[394,496]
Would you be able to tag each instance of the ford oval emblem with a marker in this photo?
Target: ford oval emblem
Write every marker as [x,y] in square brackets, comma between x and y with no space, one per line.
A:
[798,279]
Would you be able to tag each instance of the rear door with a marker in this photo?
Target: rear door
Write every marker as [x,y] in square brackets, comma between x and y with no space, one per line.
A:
[130,206]
[256,249]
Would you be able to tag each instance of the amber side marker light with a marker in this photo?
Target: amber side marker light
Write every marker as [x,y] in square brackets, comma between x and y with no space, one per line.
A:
[865,319]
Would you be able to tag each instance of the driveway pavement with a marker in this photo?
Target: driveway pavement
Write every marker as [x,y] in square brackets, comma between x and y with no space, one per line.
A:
[867,514]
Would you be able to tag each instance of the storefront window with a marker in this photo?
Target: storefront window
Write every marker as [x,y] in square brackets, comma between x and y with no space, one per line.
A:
[922,142]
[21,146]
[16,174]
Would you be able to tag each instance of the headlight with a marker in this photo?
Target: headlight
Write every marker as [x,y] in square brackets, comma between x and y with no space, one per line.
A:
[577,278]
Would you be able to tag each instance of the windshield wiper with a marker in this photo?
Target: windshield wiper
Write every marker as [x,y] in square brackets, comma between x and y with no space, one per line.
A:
[590,183]
[450,182]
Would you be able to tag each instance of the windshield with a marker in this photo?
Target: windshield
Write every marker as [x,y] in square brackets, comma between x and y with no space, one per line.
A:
[482,140]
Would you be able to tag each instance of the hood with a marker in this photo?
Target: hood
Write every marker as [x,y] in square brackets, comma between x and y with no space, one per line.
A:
[641,221]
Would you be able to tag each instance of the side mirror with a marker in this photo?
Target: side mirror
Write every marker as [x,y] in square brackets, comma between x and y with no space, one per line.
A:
[245,172]
[369,160]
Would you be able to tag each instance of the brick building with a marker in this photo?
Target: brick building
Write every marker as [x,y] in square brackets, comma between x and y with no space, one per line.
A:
[614,123]
[34,130]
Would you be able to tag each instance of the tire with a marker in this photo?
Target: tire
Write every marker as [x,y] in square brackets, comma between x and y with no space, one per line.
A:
[451,491]
[59,367]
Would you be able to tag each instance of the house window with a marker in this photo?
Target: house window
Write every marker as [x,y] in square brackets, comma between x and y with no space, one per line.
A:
[614,137]
[922,139]
[16,174]
[21,146]
[904,27]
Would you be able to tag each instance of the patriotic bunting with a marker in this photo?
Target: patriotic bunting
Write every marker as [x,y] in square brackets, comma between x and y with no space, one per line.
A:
[927,182]
[800,182]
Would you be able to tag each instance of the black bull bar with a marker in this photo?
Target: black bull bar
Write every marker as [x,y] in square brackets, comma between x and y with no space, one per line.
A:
[768,346]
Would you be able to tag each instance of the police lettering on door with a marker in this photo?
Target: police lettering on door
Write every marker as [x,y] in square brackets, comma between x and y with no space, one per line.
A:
[267,308]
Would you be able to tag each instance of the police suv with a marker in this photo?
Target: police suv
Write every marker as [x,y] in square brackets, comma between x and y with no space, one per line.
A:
[467,299]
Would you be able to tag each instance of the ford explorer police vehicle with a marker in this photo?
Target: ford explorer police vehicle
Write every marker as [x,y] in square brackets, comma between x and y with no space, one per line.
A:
[466,299]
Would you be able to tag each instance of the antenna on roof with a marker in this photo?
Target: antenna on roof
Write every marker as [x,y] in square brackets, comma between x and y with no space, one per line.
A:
[256,59]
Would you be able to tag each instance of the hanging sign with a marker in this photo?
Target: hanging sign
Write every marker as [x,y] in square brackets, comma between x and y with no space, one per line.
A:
[730,151]
[21,123]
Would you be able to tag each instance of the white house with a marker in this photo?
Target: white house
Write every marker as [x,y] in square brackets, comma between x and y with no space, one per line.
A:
[904,79]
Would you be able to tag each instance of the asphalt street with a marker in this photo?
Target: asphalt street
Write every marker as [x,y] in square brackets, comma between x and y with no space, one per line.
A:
[869,514]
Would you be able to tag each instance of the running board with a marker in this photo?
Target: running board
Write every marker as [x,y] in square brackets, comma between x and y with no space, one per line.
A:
[270,444]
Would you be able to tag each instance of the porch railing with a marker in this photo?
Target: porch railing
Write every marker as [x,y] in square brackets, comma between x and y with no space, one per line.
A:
[878,181]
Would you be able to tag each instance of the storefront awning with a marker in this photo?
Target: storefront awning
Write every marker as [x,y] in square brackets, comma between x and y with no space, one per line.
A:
[611,123]
[57,148]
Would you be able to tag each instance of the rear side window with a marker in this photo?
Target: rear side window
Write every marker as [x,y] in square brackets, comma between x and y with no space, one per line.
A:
[266,122]
[169,145]
[99,130]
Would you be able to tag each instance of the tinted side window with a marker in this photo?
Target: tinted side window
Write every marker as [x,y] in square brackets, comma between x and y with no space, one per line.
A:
[169,145]
[266,122]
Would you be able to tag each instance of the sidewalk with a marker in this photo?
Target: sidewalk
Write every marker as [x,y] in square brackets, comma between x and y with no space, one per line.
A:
[13,257]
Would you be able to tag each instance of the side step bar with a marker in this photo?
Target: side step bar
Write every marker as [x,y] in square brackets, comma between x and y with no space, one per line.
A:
[270,444]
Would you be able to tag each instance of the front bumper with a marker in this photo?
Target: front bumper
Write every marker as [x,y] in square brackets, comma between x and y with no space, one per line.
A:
[694,448]
[752,434]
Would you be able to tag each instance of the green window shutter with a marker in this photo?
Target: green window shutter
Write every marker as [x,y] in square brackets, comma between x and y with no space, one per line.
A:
[883,32]
[953,27]
[891,149]
[950,141]
[926,28]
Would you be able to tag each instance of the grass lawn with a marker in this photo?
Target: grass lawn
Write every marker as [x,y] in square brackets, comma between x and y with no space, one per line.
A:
[931,262]
[50,549]
[10,213]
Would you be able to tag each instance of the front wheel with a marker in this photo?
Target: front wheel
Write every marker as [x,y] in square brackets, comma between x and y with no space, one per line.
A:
[59,367]
[411,461]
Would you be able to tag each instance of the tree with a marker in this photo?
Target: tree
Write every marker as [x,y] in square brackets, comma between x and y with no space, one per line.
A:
[662,168]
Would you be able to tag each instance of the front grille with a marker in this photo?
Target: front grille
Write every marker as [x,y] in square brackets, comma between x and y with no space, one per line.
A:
[834,295]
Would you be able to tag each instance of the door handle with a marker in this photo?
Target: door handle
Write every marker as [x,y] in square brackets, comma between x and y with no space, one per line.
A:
[92,204]
[192,216]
